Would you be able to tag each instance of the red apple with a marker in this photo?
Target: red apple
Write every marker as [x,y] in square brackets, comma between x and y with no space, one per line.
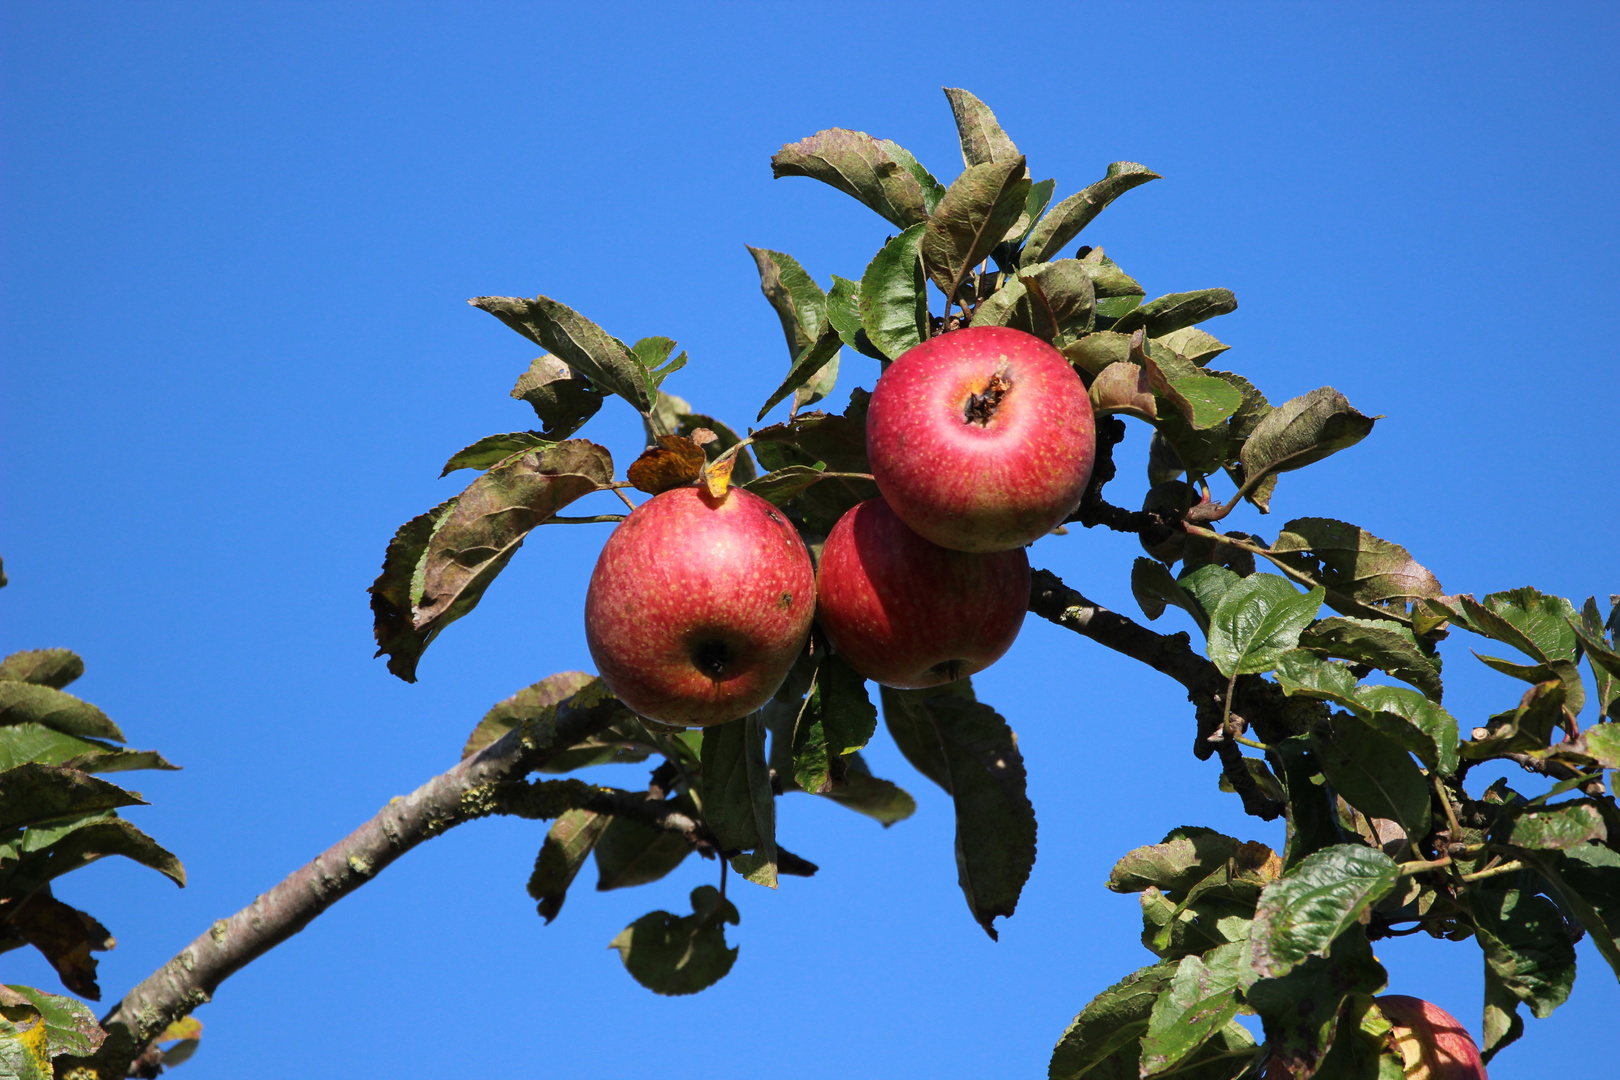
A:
[698,606]
[908,613]
[981,439]
[1433,1045]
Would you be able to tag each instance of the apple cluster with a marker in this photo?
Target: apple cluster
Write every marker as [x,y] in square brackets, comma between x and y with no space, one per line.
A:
[981,441]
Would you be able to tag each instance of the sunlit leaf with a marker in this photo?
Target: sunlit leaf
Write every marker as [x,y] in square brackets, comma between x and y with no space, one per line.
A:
[1259,618]
[976,212]
[578,342]
[43,667]
[1065,220]
[31,703]
[859,166]
[893,295]
[561,397]
[983,141]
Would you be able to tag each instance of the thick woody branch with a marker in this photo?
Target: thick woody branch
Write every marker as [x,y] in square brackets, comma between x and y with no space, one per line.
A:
[1170,654]
[470,790]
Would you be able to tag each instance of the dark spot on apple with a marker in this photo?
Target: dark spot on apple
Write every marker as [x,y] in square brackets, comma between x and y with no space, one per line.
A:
[713,657]
[950,669]
[772,515]
[785,601]
[982,406]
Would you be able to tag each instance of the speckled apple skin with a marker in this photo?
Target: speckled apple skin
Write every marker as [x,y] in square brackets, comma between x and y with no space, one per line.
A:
[908,613]
[1432,1043]
[986,487]
[684,571]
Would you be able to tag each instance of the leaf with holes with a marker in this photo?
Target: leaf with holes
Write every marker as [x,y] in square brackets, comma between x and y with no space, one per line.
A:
[1527,946]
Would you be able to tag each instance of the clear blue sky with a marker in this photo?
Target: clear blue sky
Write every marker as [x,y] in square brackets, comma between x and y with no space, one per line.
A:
[237,240]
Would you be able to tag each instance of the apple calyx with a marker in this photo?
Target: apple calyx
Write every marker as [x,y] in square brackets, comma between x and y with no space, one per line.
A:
[982,406]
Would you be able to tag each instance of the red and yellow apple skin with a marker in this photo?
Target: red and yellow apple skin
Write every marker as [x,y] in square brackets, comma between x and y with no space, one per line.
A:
[698,607]
[1432,1043]
[981,439]
[908,613]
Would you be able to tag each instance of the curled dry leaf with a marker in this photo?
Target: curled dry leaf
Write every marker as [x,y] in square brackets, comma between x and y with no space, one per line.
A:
[674,462]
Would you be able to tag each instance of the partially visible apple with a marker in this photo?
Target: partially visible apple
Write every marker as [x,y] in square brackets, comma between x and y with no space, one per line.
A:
[908,613]
[699,606]
[981,439]
[1432,1043]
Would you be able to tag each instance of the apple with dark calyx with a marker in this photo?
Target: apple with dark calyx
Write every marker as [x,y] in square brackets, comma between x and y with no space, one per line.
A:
[908,613]
[698,606]
[1432,1043]
[981,439]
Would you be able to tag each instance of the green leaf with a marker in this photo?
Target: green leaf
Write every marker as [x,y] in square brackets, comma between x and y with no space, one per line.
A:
[624,741]
[1597,745]
[859,166]
[1040,195]
[976,212]
[439,564]
[1049,300]
[632,853]
[983,141]
[1153,588]
[1382,644]
[1313,816]
[806,367]
[820,385]
[784,485]
[33,792]
[932,189]
[562,398]
[1200,1000]
[1098,351]
[1527,946]
[569,842]
[1564,825]
[30,703]
[50,853]
[1526,728]
[1176,311]
[43,667]
[1193,344]
[36,742]
[1533,622]
[1305,673]
[1302,914]
[844,311]
[1503,1024]
[675,955]
[578,342]
[728,804]
[1065,220]
[1604,661]
[1172,930]
[1258,619]
[1353,564]
[838,719]
[881,800]
[799,303]
[494,449]
[1374,774]
[910,724]
[1206,585]
[838,442]
[1114,1020]
[1204,401]
[1412,720]
[398,588]
[1587,877]
[760,867]
[1183,858]
[995,823]
[70,1026]
[894,295]
[1301,431]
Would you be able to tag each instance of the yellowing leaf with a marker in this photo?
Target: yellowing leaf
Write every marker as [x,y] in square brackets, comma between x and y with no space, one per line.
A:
[674,462]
